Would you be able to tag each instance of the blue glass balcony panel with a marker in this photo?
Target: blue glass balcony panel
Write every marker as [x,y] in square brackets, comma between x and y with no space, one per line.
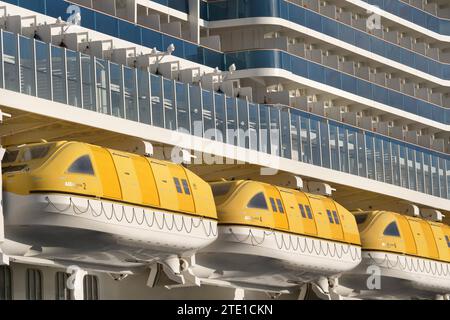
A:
[349,83]
[34,5]
[230,9]
[226,9]
[130,32]
[143,87]
[107,24]
[125,30]
[413,14]
[27,83]
[182,97]
[180,5]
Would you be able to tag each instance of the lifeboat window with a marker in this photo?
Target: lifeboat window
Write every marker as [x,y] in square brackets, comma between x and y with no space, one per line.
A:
[330,217]
[308,211]
[258,202]
[274,206]
[185,187]
[177,185]
[280,206]
[448,241]
[361,218]
[10,156]
[392,230]
[336,217]
[13,168]
[302,210]
[221,189]
[35,153]
[82,165]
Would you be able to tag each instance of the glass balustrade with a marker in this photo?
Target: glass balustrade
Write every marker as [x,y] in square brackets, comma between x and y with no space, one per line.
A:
[233,9]
[414,15]
[98,85]
[180,5]
[325,75]
[122,29]
[230,9]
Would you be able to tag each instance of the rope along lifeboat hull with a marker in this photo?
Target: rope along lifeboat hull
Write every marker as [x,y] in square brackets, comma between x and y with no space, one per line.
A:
[399,275]
[68,226]
[245,255]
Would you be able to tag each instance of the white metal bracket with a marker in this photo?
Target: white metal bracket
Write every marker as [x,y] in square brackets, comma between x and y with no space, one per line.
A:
[322,288]
[75,281]
[320,188]
[409,209]
[4,259]
[239,294]
[186,156]
[185,276]
[4,115]
[2,221]
[432,214]
[148,148]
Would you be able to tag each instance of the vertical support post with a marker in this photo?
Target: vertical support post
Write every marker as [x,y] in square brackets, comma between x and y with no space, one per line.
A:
[132,10]
[175,103]
[239,294]
[65,76]
[4,260]
[194,16]
[2,225]
[76,282]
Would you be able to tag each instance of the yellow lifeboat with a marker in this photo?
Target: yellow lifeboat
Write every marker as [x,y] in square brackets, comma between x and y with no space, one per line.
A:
[273,238]
[76,201]
[403,256]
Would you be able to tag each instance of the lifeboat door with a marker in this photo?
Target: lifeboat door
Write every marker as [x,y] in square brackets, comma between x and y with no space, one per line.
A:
[292,211]
[320,216]
[277,207]
[128,180]
[407,235]
[334,219]
[183,188]
[308,221]
[444,252]
[107,173]
[420,237]
[425,242]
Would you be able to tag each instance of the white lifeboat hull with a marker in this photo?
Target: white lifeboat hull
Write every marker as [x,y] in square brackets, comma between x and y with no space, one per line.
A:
[253,257]
[71,227]
[399,276]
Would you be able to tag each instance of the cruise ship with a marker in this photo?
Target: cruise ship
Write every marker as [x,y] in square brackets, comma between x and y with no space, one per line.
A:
[225,149]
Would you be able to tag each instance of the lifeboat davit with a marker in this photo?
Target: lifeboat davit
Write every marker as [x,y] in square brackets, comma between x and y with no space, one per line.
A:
[273,238]
[79,202]
[403,257]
